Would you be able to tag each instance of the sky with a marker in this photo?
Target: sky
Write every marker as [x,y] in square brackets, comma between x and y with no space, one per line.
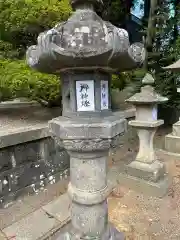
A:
[139,12]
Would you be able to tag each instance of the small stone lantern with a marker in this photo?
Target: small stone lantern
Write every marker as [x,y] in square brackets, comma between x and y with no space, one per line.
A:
[146,173]
[172,140]
[85,51]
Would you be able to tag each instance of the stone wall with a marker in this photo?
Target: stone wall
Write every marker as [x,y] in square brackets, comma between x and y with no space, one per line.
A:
[29,159]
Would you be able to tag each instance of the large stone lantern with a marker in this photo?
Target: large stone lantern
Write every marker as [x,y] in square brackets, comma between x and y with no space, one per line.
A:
[85,51]
[172,140]
[146,173]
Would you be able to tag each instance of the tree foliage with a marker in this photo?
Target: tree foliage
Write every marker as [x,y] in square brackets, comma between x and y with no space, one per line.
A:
[163,46]
[21,21]
[117,11]
[18,80]
[164,50]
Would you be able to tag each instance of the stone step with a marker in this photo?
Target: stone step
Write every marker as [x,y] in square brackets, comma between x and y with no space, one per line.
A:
[40,223]
[48,219]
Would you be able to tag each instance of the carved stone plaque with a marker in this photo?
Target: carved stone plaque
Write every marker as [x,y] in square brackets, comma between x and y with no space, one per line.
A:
[85,95]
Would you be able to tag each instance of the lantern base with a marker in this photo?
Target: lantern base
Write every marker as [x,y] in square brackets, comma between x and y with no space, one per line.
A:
[153,172]
[111,234]
[172,144]
[150,179]
[172,141]
[149,188]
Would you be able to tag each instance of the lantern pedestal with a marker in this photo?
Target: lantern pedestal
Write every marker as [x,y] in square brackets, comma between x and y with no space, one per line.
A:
[146,173]
[88,141]
[172,141]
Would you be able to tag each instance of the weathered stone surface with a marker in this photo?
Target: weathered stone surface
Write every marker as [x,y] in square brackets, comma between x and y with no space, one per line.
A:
[84,50]
[146,124]
[88,160]
[146,134]
[23,181]
[32,227]
[5,160]
[31,163]
[157,189]
[94,128]
[152,172]
[110,234]
[147,95]
[44,157]
[172,143]
[11,138]
[93,144]
[176,129]
[27,152]
[59,208]
[14,213]
[53,154]
[48,194]
[86,41]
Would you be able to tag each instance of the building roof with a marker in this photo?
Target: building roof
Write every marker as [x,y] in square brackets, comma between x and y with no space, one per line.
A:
[136,19]
[174,67]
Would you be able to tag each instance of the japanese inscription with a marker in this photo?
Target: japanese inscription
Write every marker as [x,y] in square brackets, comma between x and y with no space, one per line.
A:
[104,95]
[85,95]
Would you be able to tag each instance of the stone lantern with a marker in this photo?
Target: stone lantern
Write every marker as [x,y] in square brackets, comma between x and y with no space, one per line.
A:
[146,173]
[172,140]
[85,51]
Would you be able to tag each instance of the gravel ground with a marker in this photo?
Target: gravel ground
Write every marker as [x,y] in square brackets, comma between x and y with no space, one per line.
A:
[144,217]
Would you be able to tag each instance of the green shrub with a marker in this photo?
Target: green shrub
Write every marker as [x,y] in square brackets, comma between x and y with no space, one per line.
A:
[21,21]
[23,15]
[18,80]
[7,51]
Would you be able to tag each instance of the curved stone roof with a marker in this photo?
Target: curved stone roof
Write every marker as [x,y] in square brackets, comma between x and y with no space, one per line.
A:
[174,67]
[84,41]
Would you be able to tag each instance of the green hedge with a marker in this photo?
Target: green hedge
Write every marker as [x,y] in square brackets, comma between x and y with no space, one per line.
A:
[18,80]
[21,21]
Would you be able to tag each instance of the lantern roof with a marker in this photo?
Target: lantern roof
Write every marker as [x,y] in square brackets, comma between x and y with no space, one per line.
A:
[84,42]
[147,94]
[174,67]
